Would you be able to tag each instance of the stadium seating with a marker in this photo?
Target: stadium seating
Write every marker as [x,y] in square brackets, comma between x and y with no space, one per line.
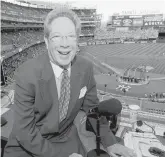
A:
[12,63]
[156,97]
[24,12]
[21,38]
[84,12]
[131,34]
[87,31]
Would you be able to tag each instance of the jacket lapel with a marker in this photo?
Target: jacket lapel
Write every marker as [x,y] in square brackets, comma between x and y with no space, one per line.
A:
[48,90]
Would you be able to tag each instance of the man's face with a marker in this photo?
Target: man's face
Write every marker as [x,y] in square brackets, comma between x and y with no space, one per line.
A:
[62,41]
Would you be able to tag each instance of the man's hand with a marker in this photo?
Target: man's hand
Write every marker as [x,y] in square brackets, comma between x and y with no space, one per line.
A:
[75,155]
[118,149]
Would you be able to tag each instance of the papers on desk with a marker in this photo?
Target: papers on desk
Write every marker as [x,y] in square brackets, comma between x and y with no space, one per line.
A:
[4,110]
[141,142]
[144,149]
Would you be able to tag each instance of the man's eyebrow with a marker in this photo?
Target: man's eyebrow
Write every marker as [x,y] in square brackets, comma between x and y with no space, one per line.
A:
[55,33]
[71,33]
[60,33]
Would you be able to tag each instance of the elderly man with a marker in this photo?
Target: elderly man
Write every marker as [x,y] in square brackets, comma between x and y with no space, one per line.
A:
[50,91]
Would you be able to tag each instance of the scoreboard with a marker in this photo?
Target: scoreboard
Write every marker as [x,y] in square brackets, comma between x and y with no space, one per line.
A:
[138,20]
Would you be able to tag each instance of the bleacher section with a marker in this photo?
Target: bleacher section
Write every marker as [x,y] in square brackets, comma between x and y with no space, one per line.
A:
[16,11]
[12,63]
[21,38]
[131,34]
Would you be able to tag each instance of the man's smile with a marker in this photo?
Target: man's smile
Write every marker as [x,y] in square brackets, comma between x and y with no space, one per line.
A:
[64,52]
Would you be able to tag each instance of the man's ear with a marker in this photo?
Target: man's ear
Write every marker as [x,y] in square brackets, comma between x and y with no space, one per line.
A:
[46,42]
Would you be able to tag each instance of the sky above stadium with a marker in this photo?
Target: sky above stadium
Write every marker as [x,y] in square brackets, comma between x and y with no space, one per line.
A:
[108,7]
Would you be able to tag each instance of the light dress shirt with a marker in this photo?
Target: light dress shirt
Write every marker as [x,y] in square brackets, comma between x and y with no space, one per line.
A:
[58,75]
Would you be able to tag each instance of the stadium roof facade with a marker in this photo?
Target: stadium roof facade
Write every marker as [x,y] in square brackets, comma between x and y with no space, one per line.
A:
[48,4]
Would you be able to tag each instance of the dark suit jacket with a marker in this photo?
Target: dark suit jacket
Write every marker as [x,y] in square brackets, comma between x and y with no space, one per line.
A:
[36,130]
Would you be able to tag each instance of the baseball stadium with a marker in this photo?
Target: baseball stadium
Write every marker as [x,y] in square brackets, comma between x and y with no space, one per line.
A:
[128,55]
[127,63]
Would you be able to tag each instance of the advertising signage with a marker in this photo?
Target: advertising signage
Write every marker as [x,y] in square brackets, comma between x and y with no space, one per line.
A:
[127,22]
[137,20]
[148,18]
[127,17]
[116,23]
[154,23]
[121,21]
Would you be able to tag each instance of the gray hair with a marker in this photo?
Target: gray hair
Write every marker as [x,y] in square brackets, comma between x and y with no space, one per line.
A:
[61,11]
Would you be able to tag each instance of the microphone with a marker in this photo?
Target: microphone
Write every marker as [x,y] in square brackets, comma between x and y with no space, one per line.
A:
[95,121]
[110,107]
[106,108]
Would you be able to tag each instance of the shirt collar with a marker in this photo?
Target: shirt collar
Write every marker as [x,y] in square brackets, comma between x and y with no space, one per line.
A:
[58,70]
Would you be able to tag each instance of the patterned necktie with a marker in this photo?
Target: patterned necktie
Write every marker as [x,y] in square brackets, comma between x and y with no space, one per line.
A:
[64,95]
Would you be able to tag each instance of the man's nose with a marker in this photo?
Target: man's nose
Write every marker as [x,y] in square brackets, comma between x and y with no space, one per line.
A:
[64,42]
